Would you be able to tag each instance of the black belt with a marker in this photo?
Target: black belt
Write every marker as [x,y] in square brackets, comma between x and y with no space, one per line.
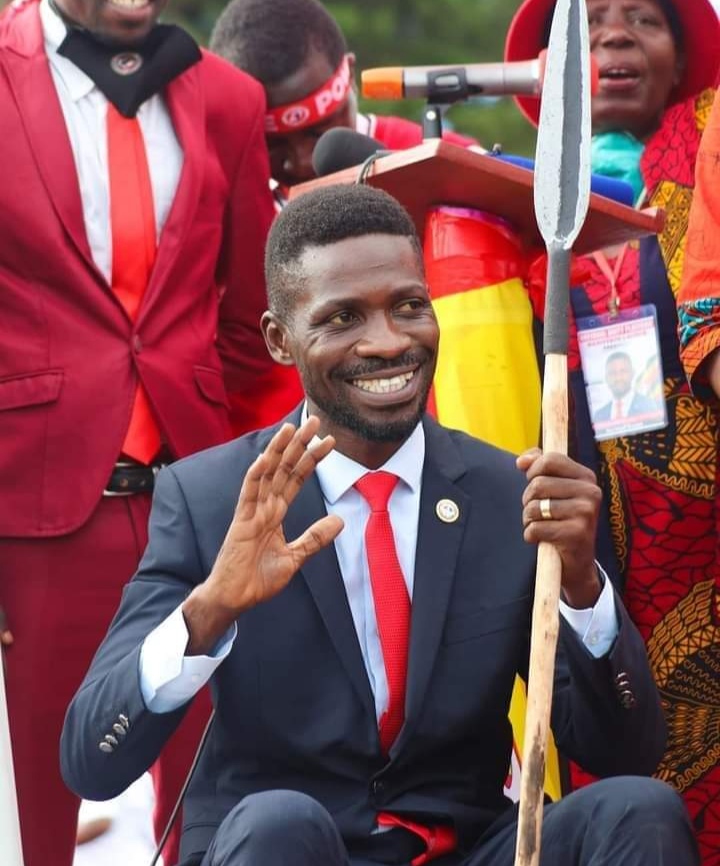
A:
[129,477]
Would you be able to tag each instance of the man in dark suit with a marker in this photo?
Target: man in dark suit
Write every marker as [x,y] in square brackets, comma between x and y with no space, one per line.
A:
[626,403]
[133,213]
[362,607]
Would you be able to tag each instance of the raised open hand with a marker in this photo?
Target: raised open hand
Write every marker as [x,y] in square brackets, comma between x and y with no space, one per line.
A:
[255,561]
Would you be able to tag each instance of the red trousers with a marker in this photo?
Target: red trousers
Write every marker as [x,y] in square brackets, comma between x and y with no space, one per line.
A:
[60,595]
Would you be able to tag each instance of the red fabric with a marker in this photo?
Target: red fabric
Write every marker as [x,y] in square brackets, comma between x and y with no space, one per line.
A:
[397,133]
[390,595]
[60,595]
[132,222]
[439,840]
[69,355]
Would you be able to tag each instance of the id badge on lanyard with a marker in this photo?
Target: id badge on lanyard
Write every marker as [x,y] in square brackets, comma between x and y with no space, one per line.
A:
[622,369]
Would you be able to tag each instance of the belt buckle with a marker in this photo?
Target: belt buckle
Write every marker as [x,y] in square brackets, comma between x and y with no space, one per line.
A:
[124,464]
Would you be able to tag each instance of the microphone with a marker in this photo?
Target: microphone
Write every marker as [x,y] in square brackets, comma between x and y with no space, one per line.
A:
[340,148]
[453,83]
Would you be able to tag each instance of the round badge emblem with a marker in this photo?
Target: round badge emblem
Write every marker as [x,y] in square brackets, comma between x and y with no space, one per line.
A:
[447,511]
[295,115]
[126,63]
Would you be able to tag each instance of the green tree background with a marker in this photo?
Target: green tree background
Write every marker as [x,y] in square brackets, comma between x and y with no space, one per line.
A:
[407,32]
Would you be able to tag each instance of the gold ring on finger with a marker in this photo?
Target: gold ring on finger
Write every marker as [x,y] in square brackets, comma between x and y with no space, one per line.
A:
[545,510]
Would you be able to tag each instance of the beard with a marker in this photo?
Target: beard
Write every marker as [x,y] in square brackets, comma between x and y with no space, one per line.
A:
[345,415]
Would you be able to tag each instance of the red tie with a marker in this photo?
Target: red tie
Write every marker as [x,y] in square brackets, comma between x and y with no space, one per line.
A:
[132,221]
[390,595]
[618,409]
[392,611]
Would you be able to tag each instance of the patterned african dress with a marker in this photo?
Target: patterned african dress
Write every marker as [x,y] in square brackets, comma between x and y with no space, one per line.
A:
[659,532]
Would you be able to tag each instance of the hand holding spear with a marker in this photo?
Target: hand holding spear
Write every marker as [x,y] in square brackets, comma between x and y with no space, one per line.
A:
[561,195]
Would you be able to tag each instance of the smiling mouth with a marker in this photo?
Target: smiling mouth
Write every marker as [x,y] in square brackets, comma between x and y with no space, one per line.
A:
[390,385]
[130,4]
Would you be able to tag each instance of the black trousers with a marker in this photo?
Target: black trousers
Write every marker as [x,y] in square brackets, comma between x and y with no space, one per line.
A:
[625,821]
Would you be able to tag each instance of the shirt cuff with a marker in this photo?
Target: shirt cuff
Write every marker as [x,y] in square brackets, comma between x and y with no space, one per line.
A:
[597,627]
[169,678]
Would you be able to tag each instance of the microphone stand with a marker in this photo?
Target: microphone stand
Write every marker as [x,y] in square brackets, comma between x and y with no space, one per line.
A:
[432,121]
[445,87]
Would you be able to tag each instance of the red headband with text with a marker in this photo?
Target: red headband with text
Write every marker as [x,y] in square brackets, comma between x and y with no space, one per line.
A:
[315,107]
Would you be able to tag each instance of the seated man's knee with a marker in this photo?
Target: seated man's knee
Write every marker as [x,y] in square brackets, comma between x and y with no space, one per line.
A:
[649,815]
[268,812]
[275,825]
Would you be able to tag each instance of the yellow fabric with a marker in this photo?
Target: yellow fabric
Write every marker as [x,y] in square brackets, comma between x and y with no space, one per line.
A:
[487,384]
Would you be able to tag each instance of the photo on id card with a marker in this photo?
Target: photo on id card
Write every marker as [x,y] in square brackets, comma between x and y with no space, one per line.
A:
[620,357]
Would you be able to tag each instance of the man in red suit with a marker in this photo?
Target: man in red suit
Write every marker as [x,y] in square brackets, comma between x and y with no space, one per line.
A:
[133,213]
[296,49]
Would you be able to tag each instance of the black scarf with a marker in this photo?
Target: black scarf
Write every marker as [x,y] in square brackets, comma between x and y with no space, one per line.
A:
[129,75]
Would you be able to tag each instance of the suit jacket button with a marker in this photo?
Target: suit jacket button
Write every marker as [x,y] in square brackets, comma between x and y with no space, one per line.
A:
[119,730]
[105,747]
[124,721]
[627,699]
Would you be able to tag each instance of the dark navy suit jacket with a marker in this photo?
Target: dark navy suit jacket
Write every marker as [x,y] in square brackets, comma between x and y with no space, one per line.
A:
[293,702]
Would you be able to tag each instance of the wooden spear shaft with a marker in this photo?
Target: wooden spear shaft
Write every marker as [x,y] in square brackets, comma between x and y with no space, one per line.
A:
[561,196]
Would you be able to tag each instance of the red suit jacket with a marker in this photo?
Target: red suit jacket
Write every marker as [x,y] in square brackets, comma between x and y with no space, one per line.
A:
[70,357]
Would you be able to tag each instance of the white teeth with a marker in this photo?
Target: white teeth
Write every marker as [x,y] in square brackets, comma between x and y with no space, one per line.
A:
[384,386]
[130,4]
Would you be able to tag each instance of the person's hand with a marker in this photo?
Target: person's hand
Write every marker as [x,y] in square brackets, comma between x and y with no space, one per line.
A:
[255,561]
[6,636]
[561,504]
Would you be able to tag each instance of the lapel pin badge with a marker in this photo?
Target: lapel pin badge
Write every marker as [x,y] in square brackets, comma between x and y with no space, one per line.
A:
[126,63]
[447,511]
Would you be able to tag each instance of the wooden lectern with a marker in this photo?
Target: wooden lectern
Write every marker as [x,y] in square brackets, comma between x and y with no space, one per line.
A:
[438,173]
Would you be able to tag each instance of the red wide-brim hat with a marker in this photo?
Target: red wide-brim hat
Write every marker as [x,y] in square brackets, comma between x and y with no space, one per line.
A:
[701,34]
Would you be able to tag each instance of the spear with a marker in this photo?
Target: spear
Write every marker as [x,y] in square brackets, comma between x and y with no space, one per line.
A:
[561,195]
[9,821]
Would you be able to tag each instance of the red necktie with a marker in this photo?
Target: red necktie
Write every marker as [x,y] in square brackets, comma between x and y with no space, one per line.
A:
[132,222]
[392,611]
[390,595]
[618,409]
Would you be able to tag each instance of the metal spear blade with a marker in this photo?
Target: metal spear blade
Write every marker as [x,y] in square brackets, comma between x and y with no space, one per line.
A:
[562,160]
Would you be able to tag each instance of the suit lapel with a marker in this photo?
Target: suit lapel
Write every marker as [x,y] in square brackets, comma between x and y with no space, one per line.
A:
[29,76]
[438,546]
[186,105]
[322,575]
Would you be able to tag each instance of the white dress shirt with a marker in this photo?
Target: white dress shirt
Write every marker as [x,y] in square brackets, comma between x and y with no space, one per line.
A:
[85,111]
[168,678]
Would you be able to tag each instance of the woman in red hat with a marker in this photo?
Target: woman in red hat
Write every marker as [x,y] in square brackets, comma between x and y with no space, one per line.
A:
[658,60]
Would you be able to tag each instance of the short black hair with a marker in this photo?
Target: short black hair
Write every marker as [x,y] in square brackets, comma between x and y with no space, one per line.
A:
[321,217]
[271,39]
